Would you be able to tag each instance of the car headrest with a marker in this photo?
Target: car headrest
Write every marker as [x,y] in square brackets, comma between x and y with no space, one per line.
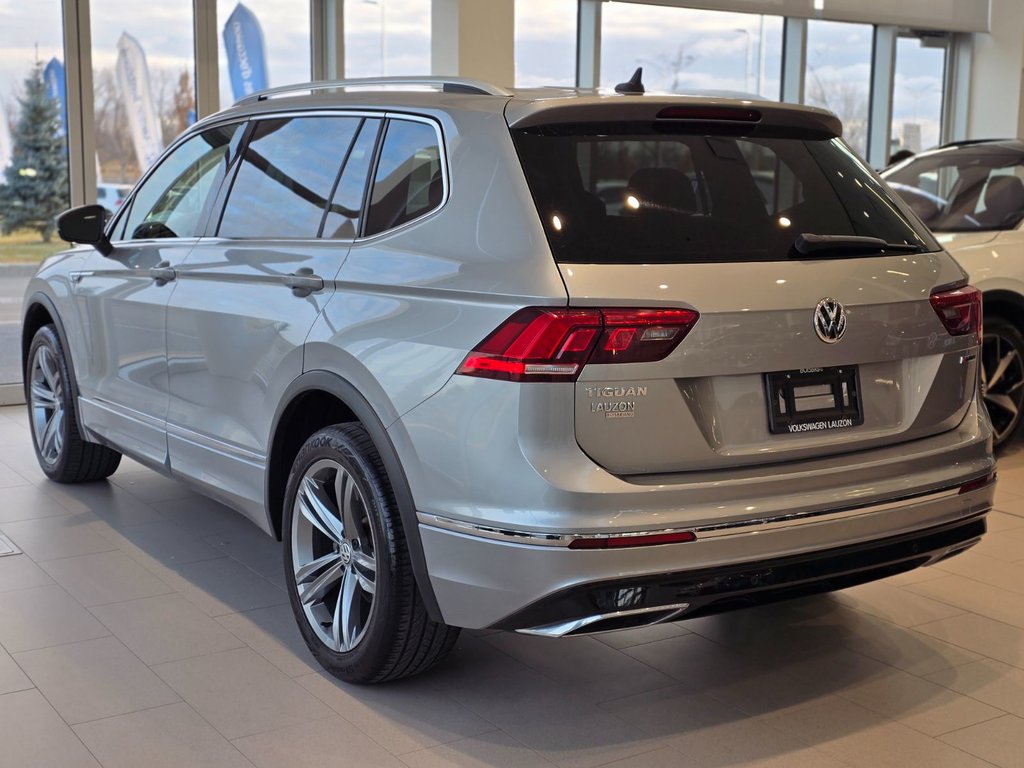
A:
[663,188]
[1004,197]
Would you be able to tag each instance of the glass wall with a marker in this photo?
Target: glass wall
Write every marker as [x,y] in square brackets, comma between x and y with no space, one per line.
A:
[838,75]
[684,49]
[387,37]
[917,94]
[144,86]
[261,44]
[545,50]
[33,157]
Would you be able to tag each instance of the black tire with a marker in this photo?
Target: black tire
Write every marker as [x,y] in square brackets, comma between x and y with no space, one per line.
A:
[68,457]
[1002,390]
[397,638]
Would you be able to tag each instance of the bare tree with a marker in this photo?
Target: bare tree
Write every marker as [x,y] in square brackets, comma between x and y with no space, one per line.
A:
[847,98]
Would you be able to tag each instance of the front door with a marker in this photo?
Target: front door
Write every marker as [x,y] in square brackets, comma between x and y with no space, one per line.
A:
[121,299]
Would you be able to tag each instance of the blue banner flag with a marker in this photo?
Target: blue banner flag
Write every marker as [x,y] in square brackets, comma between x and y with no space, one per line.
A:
[54,77]
[243,43]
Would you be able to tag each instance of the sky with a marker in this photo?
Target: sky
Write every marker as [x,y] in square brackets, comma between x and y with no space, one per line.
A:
[713,49]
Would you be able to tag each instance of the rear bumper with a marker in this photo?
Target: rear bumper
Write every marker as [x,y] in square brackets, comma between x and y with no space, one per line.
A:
[728,587]
[491,578]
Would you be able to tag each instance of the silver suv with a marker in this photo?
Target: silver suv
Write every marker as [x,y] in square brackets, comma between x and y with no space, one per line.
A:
[544,361]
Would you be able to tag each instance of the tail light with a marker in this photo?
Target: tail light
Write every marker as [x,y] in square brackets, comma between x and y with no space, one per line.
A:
[959,310]
[554,343]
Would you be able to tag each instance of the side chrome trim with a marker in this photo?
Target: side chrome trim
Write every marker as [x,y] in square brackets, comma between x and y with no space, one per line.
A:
[587,623]
[217,446]
[732,528]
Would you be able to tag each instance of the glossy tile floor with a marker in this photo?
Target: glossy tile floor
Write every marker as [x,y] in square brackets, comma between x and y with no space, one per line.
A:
[147,626]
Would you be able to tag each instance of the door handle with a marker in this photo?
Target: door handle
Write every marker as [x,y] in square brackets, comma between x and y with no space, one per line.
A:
[162,273]
[303,282]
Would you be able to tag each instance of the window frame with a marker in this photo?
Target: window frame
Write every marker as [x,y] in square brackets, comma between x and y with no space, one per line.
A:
[216,219]
[212,204]
[368,192]
[217,212]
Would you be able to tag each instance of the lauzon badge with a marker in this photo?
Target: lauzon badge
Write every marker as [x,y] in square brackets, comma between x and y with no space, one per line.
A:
[612,402]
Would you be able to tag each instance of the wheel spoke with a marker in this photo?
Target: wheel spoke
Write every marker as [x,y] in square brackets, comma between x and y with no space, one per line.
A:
[348,497]
[42,396]
[316,508]
[321,584]
[1002,401]
[365,569]
[58,431]
[48,442]
[47,366]
[1004,363]
[306,572]
[349,614]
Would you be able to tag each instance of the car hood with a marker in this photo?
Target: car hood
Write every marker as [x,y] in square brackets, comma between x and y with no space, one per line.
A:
[957,241]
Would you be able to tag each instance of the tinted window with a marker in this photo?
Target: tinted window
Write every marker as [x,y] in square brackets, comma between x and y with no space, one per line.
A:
[342,219]
[174,199]
[964,189]
[640,196]
[408,182]
[286,177]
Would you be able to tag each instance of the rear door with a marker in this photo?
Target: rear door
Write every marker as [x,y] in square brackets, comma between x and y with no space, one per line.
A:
[795,354]
[248,295]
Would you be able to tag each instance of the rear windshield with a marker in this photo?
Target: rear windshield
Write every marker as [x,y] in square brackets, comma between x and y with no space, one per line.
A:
[636,196]
[965,190]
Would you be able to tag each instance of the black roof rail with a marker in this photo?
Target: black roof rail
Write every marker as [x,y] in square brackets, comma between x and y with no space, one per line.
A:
[445,84]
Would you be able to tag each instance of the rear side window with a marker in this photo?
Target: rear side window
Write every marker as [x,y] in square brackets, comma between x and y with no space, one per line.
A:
[287,175]
[174,200]
[630,194]
[409,182]
[964,189]
[342,220]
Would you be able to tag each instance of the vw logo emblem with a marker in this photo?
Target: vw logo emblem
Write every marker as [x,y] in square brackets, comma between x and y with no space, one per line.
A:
[829,320]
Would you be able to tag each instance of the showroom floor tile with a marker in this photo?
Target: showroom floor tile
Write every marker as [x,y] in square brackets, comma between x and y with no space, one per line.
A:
[144,625]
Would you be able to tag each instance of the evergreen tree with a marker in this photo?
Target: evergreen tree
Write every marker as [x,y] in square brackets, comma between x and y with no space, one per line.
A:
[36,185]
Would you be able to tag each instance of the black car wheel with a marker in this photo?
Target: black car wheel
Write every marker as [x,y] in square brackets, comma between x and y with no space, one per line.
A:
[347,566]
[63,454]
[1002,377]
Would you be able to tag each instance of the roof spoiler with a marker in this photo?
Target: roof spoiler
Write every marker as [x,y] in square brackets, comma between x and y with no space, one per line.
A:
[670,110]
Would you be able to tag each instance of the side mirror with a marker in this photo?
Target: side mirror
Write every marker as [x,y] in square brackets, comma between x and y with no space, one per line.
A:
[84,224]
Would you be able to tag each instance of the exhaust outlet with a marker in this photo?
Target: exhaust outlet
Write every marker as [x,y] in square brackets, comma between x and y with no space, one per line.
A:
[609,622]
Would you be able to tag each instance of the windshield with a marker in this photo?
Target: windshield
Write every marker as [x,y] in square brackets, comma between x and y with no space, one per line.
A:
[628,194]
[964,190]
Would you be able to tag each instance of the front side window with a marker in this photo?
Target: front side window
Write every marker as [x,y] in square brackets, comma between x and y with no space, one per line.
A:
[287,175]
[174,200]
[964,190]
[409,182]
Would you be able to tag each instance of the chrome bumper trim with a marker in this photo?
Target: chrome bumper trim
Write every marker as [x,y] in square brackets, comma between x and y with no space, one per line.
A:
[750,526]
[587,623]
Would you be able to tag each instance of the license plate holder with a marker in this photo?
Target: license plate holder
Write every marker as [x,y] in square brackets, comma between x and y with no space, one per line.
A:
[813,400]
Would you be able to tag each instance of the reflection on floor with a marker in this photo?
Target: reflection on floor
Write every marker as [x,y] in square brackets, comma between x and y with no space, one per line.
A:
[147,626]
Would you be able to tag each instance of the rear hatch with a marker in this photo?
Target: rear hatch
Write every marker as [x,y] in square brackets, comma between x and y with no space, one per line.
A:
[804,346]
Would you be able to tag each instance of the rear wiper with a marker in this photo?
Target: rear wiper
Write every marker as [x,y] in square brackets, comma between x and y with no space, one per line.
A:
[809,244]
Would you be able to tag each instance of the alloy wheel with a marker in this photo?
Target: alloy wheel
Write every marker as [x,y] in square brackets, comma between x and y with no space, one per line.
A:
[333,555]
[1002,383]
[46,400]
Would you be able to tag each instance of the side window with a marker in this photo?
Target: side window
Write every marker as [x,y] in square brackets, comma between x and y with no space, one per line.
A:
[342,220]
[288,172]
[173,201]
[409,181]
